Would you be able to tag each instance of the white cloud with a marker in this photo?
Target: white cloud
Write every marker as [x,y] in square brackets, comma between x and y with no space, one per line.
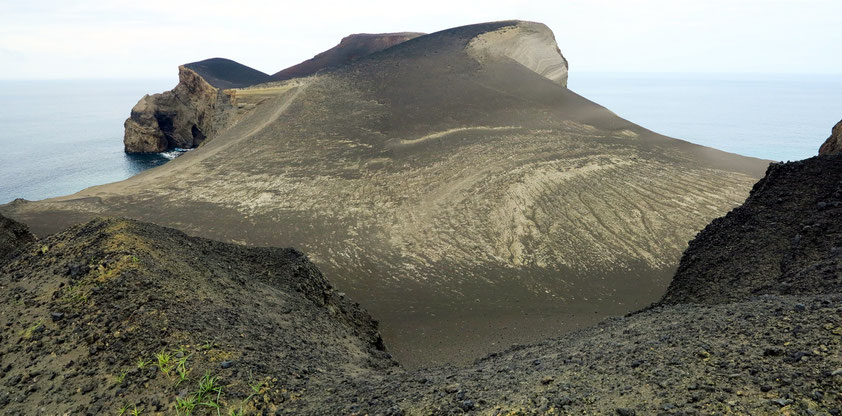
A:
[122,38]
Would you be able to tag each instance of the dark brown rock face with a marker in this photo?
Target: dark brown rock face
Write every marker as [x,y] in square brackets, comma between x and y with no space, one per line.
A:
[833,144]
[13,236]
[349,49]
[786,239]
[181,118]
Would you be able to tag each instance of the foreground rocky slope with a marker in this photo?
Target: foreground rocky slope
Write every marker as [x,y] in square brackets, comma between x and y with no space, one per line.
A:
[766,356]
[450,183]
[115,314]
[785,239]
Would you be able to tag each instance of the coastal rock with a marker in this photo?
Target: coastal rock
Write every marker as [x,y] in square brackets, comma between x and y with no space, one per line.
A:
[351,48]
[833,144]
[181,118]
[13,237]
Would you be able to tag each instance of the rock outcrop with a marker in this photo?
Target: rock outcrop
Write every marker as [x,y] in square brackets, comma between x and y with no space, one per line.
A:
[351,48]
[786,239]
[13,237]
[117,314]
[181,118]
[833,144]
[532,45]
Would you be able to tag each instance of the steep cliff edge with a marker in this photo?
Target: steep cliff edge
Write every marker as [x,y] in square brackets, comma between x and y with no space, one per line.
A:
[786,239]
[183,117]
[833,144]
[349,49]
[531,44]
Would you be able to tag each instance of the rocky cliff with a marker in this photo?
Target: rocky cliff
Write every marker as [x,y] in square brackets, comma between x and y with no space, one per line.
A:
[786,239]
[349,49]
[833,144]
[183,117]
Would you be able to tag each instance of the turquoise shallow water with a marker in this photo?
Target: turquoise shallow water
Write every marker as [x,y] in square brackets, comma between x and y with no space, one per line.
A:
[59,137]
[778,117]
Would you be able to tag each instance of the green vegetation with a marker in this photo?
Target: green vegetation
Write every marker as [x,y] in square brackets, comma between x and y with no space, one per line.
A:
[123,410]
[122,376]
[181,370]
[208,394]
[164,362]
[255,387]
[185,405]
[141,364]
[27,333]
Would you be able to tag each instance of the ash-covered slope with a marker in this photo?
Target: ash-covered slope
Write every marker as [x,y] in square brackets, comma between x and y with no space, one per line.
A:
[785,239]
[450,183]
[349,49]
[769,344]
[224,73]
[113,312]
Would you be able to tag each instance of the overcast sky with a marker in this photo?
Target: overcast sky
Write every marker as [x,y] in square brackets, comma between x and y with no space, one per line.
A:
[149,38]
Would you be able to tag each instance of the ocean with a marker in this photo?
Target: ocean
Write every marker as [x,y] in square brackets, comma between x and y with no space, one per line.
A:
[777,117]
[59,137]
